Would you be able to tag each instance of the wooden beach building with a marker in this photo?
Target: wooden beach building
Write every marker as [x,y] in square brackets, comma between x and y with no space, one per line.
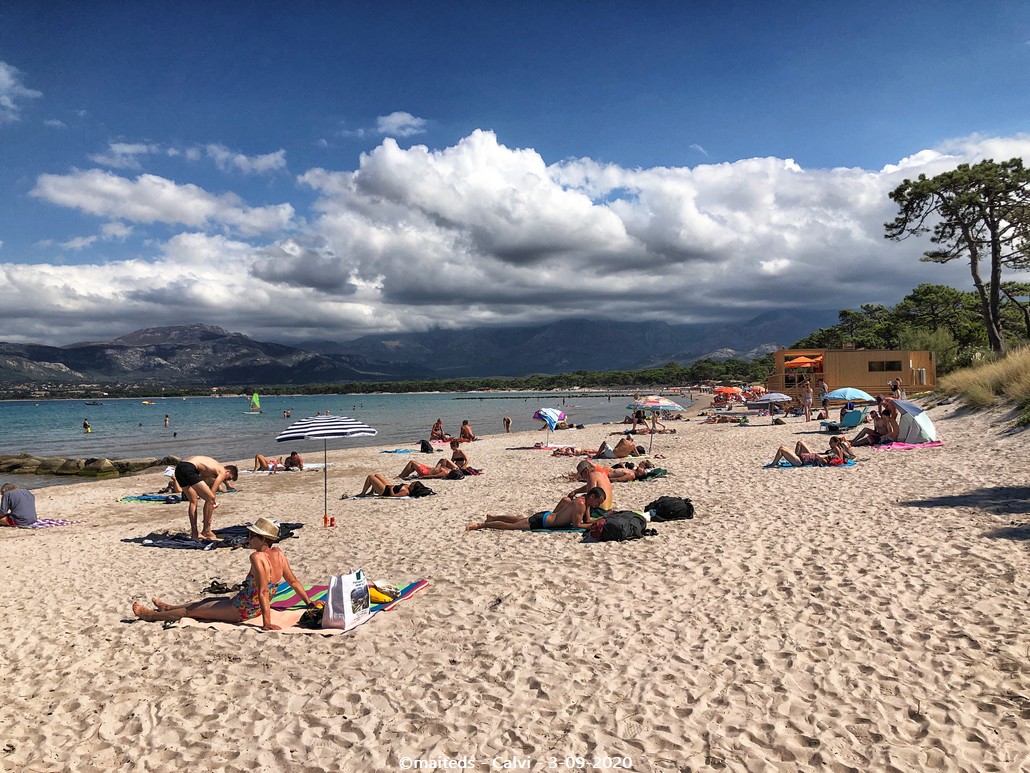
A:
[865,369]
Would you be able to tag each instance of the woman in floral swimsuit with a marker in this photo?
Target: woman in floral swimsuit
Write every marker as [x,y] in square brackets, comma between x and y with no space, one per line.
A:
[268,567]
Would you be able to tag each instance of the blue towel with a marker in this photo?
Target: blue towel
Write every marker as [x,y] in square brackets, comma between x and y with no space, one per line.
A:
[398,451]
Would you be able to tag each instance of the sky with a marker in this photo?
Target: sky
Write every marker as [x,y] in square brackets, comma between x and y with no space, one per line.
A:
[335,169]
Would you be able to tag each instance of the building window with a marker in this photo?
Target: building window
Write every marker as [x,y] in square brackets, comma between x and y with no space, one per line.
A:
[881,366]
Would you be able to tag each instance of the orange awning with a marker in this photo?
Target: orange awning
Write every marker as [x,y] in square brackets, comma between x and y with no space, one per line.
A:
[803,362]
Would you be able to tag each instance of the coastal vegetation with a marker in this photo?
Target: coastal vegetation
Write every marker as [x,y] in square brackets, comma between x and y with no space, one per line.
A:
[991,380]
[977,214]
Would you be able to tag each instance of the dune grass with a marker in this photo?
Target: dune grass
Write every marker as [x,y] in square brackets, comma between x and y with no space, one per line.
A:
[987,383]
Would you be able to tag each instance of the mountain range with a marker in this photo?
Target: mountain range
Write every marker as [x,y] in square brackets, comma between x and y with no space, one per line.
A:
[202,355]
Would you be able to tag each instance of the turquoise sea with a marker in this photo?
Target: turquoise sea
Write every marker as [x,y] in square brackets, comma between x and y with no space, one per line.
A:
[220,426]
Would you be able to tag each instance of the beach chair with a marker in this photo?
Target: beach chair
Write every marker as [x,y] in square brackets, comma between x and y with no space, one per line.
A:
[851,420]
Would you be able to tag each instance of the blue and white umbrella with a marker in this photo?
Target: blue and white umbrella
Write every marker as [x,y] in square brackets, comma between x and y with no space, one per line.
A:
[550,417]
[849,394]
[324,428]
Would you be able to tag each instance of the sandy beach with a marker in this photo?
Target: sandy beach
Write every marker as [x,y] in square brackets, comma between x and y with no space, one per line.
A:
[863,618]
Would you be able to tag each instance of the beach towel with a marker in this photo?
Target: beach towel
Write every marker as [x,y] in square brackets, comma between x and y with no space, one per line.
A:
[907,446]
[287,609]
[47,523]
[372,496]
[654,472]
[166,499]
[785,465]
[277,470]
[397,451]
[228,537]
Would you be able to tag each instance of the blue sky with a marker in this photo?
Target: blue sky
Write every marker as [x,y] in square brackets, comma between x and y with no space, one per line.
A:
[345,168]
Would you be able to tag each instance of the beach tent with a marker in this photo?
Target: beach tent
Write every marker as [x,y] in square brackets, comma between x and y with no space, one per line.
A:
[915,424]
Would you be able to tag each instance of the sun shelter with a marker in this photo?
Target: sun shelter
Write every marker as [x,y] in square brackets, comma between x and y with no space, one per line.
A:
[915,425]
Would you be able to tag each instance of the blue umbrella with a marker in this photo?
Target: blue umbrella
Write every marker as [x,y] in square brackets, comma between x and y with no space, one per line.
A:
[849,394]
[551,417]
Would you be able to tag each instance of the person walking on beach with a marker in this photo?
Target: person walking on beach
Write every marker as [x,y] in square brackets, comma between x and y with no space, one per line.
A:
[17,506]
[268,567]
[806,399]
[200,477]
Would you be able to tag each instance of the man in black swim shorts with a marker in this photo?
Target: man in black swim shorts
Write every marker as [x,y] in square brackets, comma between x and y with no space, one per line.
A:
[200,477]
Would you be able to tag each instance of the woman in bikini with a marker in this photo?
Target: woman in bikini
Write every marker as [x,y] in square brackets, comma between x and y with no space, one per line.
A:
[437,433]
[379,484]
[803,456]
[268,567]
[443,468]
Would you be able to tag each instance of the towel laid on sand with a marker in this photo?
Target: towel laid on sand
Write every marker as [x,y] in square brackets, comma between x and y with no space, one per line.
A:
[167,499]
[907,446]
[47,523]
[287,610]
[785,465]
[228,537]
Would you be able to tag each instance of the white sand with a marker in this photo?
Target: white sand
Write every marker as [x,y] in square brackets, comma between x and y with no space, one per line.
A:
[862,618]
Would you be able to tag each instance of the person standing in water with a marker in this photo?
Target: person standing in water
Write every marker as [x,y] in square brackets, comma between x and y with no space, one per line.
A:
[85,426]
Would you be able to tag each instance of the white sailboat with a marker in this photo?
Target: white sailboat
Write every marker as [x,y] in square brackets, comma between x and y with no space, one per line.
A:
[255,405]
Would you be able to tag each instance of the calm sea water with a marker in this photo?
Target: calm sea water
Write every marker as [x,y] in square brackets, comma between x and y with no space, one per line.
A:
[219,427]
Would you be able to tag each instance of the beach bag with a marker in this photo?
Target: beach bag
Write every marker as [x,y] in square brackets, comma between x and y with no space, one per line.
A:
[671,509]
[456,475]
[425,446]
[620,526]
[419,489]
[347,601]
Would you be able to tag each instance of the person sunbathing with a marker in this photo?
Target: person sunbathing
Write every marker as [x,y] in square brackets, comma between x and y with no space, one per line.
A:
[437,433]
[593,478]
[874,436]
[264,463]
[622,449]
[459,457]
[803,456]
[442,469]
[268,566]
[465,434]
[294,461]
[376,483]
[576,513]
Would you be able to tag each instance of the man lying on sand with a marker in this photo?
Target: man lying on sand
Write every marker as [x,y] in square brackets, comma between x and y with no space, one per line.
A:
[576,513]
[622,449]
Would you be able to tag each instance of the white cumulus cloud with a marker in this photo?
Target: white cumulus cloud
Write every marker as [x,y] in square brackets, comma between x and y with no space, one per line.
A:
[12,93]
[400,124]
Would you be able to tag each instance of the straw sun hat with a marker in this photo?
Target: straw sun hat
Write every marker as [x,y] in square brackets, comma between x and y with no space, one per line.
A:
[264,528]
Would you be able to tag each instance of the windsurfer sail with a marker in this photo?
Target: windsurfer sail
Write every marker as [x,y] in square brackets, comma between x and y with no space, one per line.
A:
[255,405]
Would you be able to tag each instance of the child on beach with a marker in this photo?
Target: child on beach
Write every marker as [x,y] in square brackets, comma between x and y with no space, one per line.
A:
[268,566]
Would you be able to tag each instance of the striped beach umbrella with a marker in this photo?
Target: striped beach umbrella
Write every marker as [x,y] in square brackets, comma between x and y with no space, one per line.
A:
[324,428]
[550,417]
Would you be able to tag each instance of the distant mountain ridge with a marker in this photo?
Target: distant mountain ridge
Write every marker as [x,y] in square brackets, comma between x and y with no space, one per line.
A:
[204,355]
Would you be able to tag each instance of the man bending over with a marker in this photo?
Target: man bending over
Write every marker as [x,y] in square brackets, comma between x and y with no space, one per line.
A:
[200,477]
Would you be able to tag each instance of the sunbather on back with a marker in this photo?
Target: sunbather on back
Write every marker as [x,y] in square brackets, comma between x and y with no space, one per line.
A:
[577,513]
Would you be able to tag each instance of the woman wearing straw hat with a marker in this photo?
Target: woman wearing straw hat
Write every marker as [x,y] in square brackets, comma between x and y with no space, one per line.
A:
[268,566]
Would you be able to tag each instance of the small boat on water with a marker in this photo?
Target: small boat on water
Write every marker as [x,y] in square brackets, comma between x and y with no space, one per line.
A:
[255,406]
[147,402]
[93,402]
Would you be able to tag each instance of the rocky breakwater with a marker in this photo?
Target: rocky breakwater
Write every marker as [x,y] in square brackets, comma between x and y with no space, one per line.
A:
[26,464]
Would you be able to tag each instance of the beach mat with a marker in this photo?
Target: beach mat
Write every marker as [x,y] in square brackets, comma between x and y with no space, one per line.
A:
[785,465]
[228,537]
[287,617]
[49,523]
[907,446]
[167,499]
[313,466]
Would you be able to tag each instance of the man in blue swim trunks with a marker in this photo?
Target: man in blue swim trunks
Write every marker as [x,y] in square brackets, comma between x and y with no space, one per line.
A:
[575,513]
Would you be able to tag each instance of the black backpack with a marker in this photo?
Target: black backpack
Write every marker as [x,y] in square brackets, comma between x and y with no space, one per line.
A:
[671,509]
[621,526]
[425,446]
[419,489]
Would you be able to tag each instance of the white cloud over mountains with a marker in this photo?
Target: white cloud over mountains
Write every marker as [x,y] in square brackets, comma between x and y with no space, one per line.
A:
[479,233]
